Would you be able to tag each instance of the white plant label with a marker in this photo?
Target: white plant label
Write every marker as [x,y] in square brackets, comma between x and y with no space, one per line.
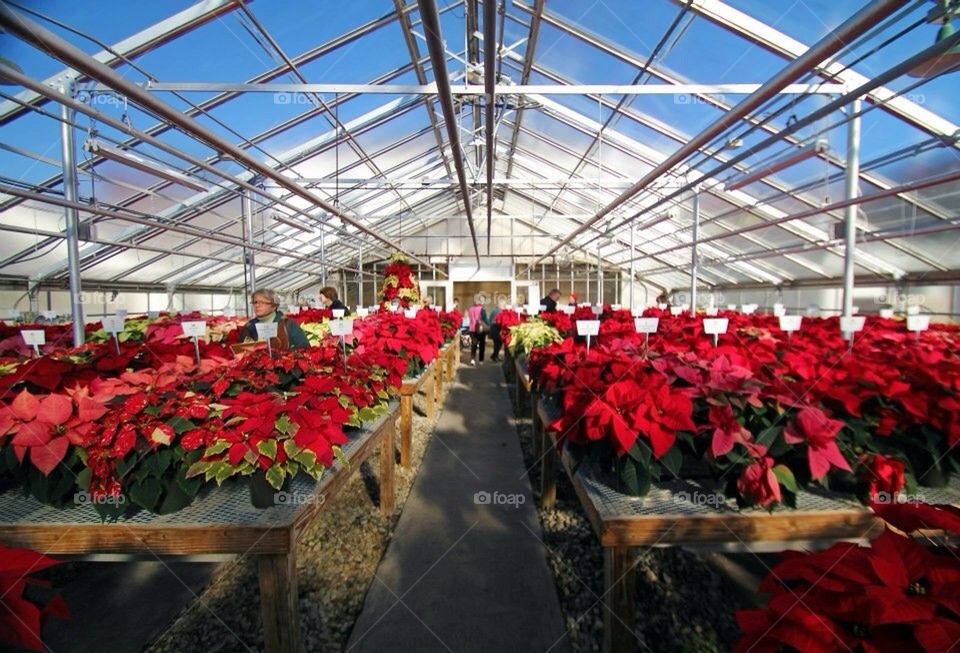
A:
[339,312]
[121,313]
[50,315]
[748,309]
[568,309]
[712,311]
[913,310]
[196,329]
[716,326]
[615,307]
[886,313]
[407,312]
[588,327]
[646,324]
[113,324]
[598,310]
[533,310]
[790,323]
[852,324]
[731,307]
[662,307]
[266,330]
[779,310]
[676,310]
[918,323]
[34,337]
[636,312]
[341,327]
[362,312]
[543,308]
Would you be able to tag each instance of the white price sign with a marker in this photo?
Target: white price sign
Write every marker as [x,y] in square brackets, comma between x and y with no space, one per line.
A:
[646,324]
[584,304]
[362,312]
[113,324]
[676,310]
[542,308]
[886,313]
[434,307]
[918,323]
[598,310]
[34,337]
[790,323]
[615,307]
[409,312]
[341,327]
[636,312]
[748,309]
[852,324]
[340,312]
[731,307]
[588,327]
[778,310]
[196,328]
[266,330]
[533,309]
[712,311]
[662,307]
[913,310]
[568,309]
[716,326]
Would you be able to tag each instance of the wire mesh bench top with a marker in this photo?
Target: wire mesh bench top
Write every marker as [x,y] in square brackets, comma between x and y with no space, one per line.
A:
[220,520]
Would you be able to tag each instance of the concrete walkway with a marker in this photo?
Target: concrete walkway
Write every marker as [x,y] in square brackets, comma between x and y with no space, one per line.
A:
[466,569]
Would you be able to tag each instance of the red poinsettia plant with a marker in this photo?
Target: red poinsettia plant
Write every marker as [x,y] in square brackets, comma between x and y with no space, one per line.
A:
[22,613]
[894,595]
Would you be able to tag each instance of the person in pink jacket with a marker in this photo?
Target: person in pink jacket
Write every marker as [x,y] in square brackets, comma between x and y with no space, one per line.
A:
[479,327]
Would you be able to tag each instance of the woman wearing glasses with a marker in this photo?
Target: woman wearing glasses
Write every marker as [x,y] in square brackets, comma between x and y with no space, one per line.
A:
[266,307]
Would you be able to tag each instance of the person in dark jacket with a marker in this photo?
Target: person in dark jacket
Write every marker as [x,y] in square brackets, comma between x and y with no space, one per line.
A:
[266,307]
[550,301]
[495,329]
[330,299]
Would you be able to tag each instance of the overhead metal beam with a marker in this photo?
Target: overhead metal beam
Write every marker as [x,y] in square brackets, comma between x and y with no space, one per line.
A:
[829,45]
[438,59]
[42,38]
[490,99]
[129,48]
[951,277]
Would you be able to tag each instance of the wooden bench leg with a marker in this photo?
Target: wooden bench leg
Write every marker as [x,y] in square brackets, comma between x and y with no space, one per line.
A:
[279,605]
[620,599]
[438,383]
[387,477]
[430,393]
[548,472]
[406,426]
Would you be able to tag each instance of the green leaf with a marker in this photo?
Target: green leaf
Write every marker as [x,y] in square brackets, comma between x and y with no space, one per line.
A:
[785,478]
[181,424]
[640,452]
[341,458]
[198,468]
[268,448]
[146,494]
[275,476]
[217,447]
[291,448]
[285,426]
[672,460]
[344,401]
[223,473]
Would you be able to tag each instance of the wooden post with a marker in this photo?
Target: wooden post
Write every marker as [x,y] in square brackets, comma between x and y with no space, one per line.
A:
[619,599]
[438,381]
[279,605]
[430,389]
[452,362]
[548,471]
[387,476]
[406,425]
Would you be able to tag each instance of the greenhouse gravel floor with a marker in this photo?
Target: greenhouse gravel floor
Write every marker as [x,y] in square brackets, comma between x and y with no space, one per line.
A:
[336,561]
[684,604]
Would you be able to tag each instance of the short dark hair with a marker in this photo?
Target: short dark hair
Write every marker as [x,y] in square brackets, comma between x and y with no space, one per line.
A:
[555,290]
[330,293]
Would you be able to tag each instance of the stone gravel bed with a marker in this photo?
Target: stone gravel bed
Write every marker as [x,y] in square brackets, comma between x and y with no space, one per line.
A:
[336,561]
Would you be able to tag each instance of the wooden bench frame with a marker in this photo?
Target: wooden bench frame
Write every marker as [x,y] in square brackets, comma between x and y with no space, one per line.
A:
[429,377]
[274,544]
[621,535]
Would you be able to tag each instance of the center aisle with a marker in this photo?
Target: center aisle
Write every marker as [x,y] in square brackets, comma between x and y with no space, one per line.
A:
[466,569]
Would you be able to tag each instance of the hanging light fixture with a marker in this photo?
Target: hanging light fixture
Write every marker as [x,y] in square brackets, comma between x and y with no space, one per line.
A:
[946,11]
[127,158]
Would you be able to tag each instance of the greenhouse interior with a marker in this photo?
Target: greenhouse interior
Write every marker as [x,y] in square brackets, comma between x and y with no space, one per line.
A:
[478,325]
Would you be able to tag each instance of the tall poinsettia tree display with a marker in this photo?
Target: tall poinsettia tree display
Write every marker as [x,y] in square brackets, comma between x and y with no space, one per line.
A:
[400,283]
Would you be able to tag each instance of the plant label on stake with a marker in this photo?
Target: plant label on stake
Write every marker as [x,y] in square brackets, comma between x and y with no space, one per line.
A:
[715,327]
[568,310]
[850,325]
[194,329]
[636,312]
[340,312]
[886,313]
[615,307]
[918,324]
[598,310]
[362,312]
[342,329]
[265,331]
[711,312]
[50,315]
[790,323]
[779,310]
[542,307]
[662,306]
[646,326]
[731,307]
[34,338]
[122,313]
[409,312]
[913,310]
[113,326]
[676,310]
[748,309]
[534,309]
[588,328]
